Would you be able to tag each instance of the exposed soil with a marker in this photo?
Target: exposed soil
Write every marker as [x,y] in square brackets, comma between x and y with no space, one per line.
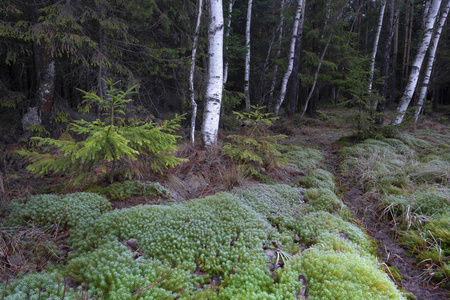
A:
[368,214]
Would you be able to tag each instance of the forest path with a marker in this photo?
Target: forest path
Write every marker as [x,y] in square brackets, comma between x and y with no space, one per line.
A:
[369,214]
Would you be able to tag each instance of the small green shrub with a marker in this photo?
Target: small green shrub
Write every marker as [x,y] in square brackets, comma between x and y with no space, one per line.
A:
[255,149]
[110,143]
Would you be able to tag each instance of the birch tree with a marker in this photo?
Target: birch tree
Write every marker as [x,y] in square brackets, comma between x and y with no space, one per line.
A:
[431,58]
[384,72]
[417,64]
[211,115]
[291,59]
[293,81]
[227,35]
[280,37]
[191,72]
[375,48]
[247,56]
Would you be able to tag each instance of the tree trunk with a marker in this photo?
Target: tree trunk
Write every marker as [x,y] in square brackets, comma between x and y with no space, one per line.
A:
[375,47]
[47,83]
[291,59]
[417,64]
[247,57]
[191,73]
[393,80]
[431,58]
[213,99]
[293,80]
[405,44]
[311,93]
[386,61]
[280,37]
[227,34]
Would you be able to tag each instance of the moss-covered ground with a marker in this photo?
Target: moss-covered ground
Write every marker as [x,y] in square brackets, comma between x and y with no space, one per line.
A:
[294,238]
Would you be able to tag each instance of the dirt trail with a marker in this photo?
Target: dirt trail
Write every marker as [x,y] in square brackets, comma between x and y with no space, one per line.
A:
[368,214]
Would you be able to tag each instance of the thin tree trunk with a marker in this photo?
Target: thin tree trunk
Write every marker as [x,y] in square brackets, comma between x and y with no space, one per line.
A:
[280,37]
[393,80]
[386,62]
[315,76]
[417,64]
[47,84]
[375,48]
[227,35]
[211,116]
[405,44]
[431,58]
[247,56]
[191,73]
[291,59]
[293,80]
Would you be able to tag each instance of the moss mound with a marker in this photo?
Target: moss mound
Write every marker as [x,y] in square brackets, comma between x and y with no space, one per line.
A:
[337,275]
[217,247]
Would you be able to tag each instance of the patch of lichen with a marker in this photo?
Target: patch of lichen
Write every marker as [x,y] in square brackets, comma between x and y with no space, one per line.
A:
[340,275]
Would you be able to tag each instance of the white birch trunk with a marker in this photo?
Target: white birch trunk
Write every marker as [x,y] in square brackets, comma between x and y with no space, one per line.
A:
[291,59]
[375,49]
[247,56]
[280,37]
[431,58]
[316,76]
[191,73]
[417,64]
[227,34]
[47,85]
[213,99]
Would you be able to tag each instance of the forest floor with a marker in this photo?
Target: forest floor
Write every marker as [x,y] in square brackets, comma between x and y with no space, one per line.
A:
[367,211]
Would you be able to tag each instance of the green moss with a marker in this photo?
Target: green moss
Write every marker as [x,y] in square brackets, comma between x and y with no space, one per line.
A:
[318,178]
[317,223]
[302,158]
[337,275]
[40,286]
[128,189]
[323,199]
[73,210]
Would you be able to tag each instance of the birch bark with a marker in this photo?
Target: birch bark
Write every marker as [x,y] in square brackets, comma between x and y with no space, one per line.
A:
[211,116]
[227,34]
[247,56]
[431,58]
[291,59]
[375,48]
[191,73]
[417,64]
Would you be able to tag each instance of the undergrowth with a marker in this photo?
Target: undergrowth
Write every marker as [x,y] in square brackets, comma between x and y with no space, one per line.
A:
[411,173]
